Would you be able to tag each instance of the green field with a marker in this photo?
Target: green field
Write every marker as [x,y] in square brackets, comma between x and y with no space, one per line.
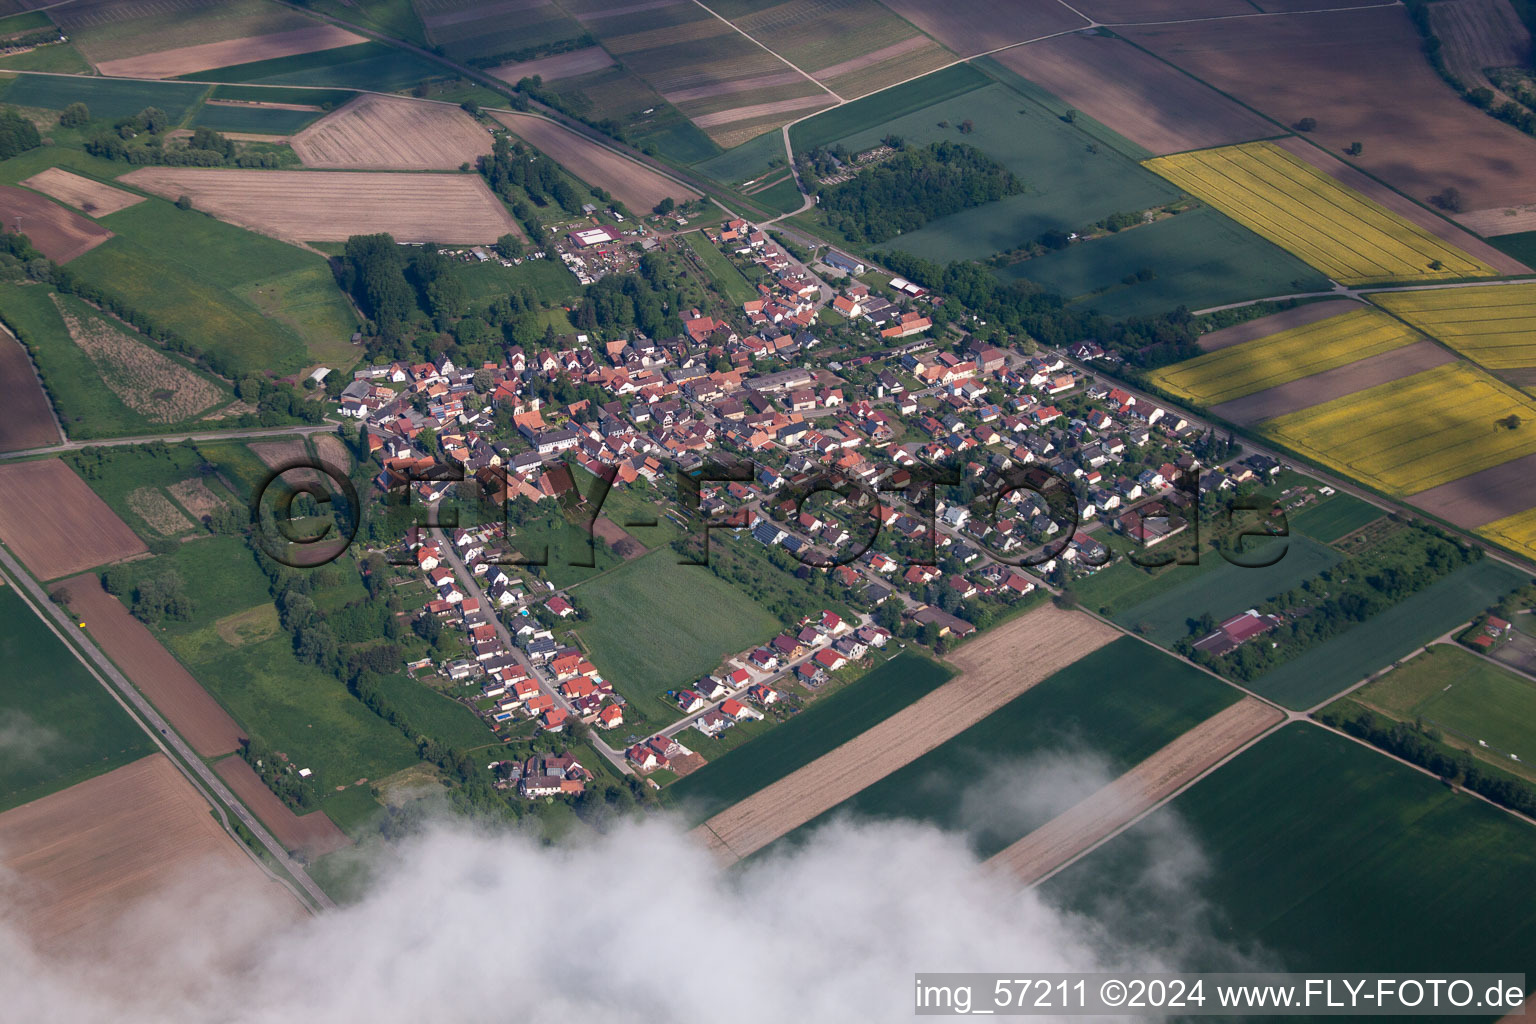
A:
[783,197]
[1469,698]
[1197,259]
[395,18]
[1348,657]
[374,66]
[86,406]
[549,280]
[827,723]
[654,625]
[1327,856]
[1334,517]
[249,302]
[108,98]
[328,98]
[437,716]
[733,287]
[260,120]
[59,58]
[1225,590]
[123,469]
[746,162]
[1521,245]
[873,111]
[1093,720]
[58,725]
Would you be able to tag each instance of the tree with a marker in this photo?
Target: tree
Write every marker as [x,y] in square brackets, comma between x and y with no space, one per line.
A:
[75,115]
[153,120]
[1355,148]
[1448,199]
[1306,124]
[484,380]
[510,246]
[1065,599]
[183,202]
[665,207]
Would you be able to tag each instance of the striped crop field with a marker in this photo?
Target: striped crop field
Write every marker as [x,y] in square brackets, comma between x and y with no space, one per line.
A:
[1417,432]
[1494,325]
[1516,532]
[1253,366]
[1293,204]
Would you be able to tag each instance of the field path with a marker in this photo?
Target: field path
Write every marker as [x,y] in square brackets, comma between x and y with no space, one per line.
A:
[1079,829]
[994,669]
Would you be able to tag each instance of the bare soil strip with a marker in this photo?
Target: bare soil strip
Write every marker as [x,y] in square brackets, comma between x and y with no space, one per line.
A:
[92,197]
[262,104]
[312,834]
[59,233]
[391,133]
[1335,383]
[26,418]
[55,523]
[757,110]
[329,206]
[1484,496]
[995,669]
[185,60]
[1500,220]
[1403,207]
[704,92]
[1079,829]
[1264,326]
[636,186]
[553,69]
[1136,94]
[191,710]
[84,857]
[869,59]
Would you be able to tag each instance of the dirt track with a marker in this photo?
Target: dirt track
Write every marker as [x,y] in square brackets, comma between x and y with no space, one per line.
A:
[184,60]
[312,834]
[1077,830]
[190,709]
[85,855]
[391,133]
[633,185]
[1335,383]
[54,522]
[58,232]
[994,669]
[92,197]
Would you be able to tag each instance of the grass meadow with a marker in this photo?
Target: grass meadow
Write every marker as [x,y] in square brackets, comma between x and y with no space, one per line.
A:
[1339,515]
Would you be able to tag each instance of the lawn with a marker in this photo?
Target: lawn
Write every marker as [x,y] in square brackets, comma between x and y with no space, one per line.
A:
[1227,589]
[872,112]
[60,58]
[1325,669]
[1046,749]
[1471,698]
[442,718]
[1123,584]
[220,287]
[87,407]
[375,66]
[549,280]
[826,724]
[107,98]
[1196,259]
[728,280]
[654,625]
[58,725]
[1326,855]
[1334,517]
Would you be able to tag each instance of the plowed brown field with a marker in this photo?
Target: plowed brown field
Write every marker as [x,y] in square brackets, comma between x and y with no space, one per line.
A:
[313,834]
[54,522]
[92,197]
[635,186]
[59,233]
[184,60]
[26,419]
[391,133]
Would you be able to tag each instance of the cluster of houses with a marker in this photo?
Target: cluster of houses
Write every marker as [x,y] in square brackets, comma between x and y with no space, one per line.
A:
[543,775]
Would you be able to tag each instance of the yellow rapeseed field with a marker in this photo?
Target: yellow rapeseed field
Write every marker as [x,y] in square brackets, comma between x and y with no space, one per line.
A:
[1494,325]
[1416,432]
[1253,366]
[1516,532]
[1293,204]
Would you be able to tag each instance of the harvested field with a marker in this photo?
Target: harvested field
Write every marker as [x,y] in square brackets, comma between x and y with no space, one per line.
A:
[196,498]
[332,450]
[330,206]
[58,233]
[83,857]
[615,536]
[1415,433]
[278,453]
[864,60]
[1336,383]
[1405,208]
[1504,220]
[553,69]
[1494,326]
[1134,93]
[1264,326]
[26,418]
[1076,831]
[1478,34]
[389,133]
[995,668]
[150,505]
[1345,69]
[189,708]
[184,60]
[1238,370]
[312,834]
[982,25]
[636,186]
[1477,500]
[703,92]
[1350,238]
[56,524]
[83,194]
[147,380]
